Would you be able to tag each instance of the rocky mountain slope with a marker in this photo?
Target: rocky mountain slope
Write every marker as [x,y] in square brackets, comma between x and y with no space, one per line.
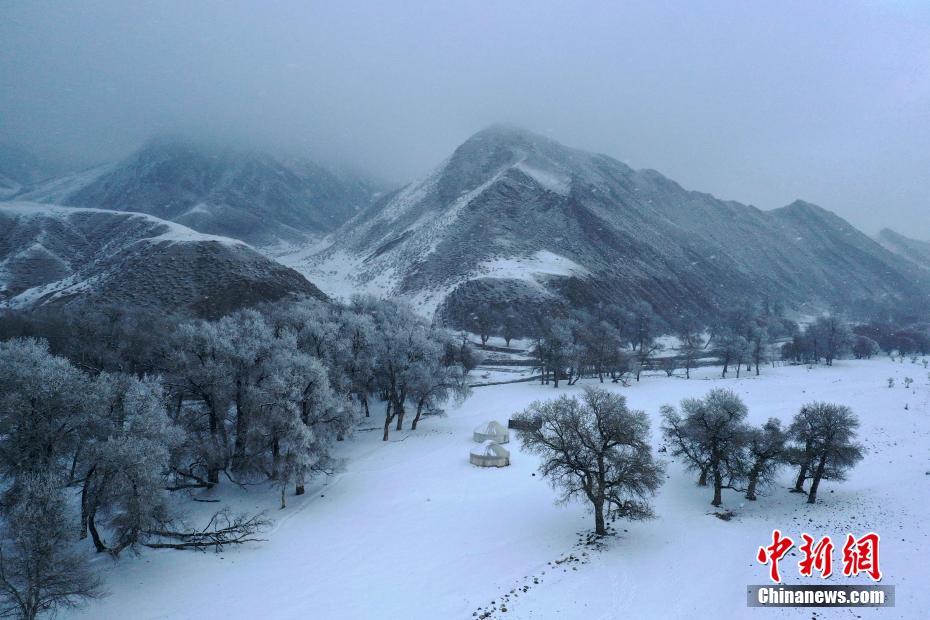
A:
[224,191]
[518,218]
[61,255]
[914,250]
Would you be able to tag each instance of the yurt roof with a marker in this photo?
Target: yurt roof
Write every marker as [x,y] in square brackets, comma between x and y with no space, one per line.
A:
[489,448]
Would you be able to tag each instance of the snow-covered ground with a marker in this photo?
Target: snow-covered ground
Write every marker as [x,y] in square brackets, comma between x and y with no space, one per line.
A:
[410,530]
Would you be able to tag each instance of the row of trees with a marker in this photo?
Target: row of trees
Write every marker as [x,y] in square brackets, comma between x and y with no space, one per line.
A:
[712,437]
[259,395]
[617,344]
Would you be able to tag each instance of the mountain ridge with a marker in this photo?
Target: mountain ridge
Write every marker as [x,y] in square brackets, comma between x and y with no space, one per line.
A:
[223,190]
[54,255]
[507,194]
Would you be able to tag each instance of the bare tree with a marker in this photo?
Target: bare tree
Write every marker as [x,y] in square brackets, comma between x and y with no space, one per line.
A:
[595,448]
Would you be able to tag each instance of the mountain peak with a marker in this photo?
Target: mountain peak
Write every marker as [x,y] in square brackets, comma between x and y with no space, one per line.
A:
[507,133]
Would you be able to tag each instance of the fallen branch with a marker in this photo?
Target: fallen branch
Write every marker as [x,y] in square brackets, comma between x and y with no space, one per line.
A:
[223,529]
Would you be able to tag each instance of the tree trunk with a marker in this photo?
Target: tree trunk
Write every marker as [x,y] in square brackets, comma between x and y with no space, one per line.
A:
[599,526]
[718,487]
[85,503]
[388,418]
[702,480]
[751,490]
[283,495]
[242,429]
[416,418]
[365,405]
[94,534]
[815,481]
[799,483]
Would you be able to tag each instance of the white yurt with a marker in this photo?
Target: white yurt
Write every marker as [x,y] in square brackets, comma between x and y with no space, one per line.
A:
[493,430]
[489,454]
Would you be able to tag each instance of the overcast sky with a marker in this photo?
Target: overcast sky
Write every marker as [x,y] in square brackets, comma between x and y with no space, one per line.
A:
[752,101]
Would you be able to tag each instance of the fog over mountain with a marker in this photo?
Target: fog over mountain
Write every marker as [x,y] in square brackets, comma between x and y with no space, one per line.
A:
[215,189]
[759,103]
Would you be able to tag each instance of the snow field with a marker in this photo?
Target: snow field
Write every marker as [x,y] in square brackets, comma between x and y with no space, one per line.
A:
[410,530]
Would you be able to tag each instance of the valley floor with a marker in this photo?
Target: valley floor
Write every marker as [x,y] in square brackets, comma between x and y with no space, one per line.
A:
[411,530]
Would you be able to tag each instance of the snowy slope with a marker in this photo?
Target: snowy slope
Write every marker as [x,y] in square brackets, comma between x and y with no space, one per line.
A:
[411,530]
[914,250]
[248,195]
[507,196]
[20,169]
[51,254]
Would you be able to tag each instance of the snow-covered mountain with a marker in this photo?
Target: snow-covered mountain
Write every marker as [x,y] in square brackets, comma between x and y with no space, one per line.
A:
[914,250]
[516,217]
[61,255]
[217,190]
[20,169]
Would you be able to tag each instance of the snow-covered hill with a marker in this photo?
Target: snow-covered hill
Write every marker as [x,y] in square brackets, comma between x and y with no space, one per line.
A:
[61,255]
[411,530]
[914,250]
[518,218]
[236,193]
[20,169]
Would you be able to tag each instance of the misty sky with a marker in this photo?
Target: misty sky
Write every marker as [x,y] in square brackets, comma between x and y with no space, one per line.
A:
[752,101]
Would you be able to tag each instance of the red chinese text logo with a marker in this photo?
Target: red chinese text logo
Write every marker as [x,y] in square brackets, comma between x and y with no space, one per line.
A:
[860,555]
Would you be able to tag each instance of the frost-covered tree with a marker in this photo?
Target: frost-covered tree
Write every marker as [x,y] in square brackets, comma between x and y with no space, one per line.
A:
[824,446]
[765,449]
[557,350]
[511,326]
[403,341]
[831,338]
[484,321]
[43,400]
[199,372]
[759,338]
[642,328]
[597,449]
[126,443]
[301,418]
[245,343]
[434,380]
[684,443]
[732,349]
[864,348]
[713,430]
[39,574]
[692,344]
